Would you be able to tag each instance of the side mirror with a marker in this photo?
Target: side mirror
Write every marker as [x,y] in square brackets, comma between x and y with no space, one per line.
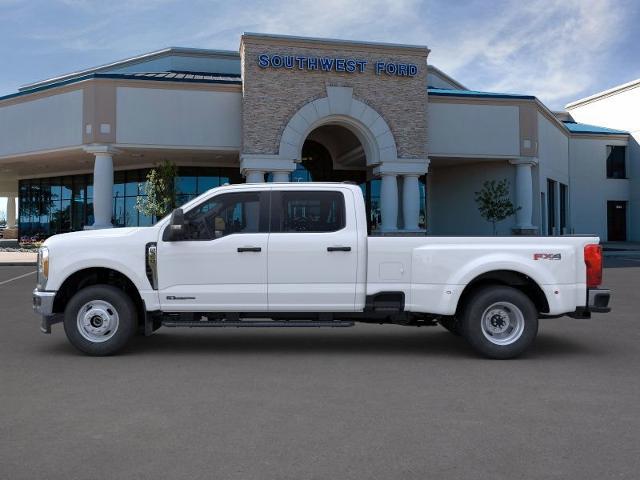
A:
[175,230]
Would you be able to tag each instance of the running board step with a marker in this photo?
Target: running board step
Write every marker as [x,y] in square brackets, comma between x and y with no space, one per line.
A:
[260,324]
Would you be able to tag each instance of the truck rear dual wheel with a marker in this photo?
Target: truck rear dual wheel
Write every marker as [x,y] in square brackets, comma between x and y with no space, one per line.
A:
[99,320]
[499,322]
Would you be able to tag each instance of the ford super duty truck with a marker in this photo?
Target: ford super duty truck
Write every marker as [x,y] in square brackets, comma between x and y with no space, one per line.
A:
[299,255]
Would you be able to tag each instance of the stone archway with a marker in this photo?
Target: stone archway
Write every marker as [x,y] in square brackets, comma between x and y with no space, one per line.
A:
[340,108]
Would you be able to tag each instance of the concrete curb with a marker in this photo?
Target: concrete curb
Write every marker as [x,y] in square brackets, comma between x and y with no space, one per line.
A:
[622,253]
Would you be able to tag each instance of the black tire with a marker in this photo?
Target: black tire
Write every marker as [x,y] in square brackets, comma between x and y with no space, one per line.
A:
[112,302]
[499,305]
[451,324]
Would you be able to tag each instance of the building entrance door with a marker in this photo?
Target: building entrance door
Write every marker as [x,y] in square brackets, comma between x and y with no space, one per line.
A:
[617,221]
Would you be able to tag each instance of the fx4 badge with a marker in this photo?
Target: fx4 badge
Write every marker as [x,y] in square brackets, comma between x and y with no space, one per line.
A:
[173,297]
[547,256]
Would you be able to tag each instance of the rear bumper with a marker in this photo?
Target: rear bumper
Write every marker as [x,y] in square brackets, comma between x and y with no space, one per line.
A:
[597,301]
[43,306]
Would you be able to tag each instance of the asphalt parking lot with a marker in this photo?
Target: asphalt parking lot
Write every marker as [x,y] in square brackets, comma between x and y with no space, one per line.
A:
[374,402]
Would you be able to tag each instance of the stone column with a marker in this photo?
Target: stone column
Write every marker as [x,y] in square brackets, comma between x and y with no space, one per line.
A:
[410,201]
[409,169]
[524,195]
[253,209]
[389,202]
[280,176]
[102,186]
[254,166]
[254,176]
[11,212]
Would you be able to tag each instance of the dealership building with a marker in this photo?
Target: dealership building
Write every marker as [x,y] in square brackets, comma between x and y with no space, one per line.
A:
[75,150]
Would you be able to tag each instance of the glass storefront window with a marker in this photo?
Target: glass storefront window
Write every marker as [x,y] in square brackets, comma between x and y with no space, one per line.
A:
[118,184]
[65,216]
[67,188]
[422,219]
[131,214]
[60,204]
[207,183]
[186,185]
[89,181]
[131,183]
[118,219]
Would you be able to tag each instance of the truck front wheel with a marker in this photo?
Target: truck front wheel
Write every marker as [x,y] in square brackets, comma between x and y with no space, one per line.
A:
[100,319]
[499,321]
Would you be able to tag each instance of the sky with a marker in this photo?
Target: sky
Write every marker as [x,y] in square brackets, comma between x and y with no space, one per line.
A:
[558,50]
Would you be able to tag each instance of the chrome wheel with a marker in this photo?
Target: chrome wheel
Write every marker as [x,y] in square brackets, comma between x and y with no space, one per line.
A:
[97,321]
[502,323]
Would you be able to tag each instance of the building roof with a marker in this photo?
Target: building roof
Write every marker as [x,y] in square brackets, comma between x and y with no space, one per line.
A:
[445,92]
[604,93]
[171,76]
[175,75]
[575,127]
[572,126]
[145,57]
[436,71]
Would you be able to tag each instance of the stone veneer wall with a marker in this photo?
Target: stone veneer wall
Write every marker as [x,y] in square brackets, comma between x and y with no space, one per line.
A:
[271,96]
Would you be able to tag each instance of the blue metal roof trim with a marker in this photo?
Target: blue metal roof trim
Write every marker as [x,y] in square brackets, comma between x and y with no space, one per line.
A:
[575,127]
[445,92]
[227,79]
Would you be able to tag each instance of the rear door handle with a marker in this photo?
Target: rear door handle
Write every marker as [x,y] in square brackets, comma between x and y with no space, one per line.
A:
[338,249]
[249,249]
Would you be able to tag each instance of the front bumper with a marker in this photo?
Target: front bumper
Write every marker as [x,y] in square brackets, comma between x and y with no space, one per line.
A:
[43,305]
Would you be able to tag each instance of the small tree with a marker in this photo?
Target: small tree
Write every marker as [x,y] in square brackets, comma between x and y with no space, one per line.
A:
[494,203]
[160,191]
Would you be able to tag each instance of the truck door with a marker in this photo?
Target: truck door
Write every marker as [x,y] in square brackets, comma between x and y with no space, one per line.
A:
[221,264]
[313,251]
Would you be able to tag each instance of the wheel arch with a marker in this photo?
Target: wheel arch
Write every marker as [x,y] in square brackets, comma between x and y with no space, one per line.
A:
[97,276]
[510,278]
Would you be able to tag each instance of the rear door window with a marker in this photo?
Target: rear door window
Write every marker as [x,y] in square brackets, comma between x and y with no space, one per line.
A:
[308,211]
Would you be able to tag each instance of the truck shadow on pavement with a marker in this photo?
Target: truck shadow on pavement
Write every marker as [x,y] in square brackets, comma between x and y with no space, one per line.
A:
[423,343]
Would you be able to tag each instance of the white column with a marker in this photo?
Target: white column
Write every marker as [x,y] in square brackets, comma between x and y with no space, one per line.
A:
[410,201]
[102,185]
[280,176]
[254,176]
[389,202]
[11,212]
[253,209]
[524,192]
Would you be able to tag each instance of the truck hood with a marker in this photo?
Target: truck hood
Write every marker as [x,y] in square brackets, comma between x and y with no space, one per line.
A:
[103,238]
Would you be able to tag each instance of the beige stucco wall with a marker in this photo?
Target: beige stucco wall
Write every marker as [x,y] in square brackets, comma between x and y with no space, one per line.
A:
[452,206]
[178,117]
[272,96]
[619,110]
[473,129]
[48,122]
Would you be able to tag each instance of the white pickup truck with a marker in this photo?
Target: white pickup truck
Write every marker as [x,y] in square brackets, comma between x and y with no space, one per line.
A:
[298,255]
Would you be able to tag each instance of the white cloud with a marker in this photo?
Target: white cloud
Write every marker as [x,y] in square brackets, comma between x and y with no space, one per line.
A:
[349,19]
[555,49]
[551,48]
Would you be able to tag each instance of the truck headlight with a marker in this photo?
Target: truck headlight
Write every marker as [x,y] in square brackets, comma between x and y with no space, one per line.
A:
[43,267]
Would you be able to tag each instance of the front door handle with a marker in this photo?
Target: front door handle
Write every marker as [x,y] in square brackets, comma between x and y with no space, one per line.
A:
[249,249]
[338,249]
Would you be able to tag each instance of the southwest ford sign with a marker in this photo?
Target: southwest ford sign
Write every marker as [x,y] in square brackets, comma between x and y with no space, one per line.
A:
[335,64]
